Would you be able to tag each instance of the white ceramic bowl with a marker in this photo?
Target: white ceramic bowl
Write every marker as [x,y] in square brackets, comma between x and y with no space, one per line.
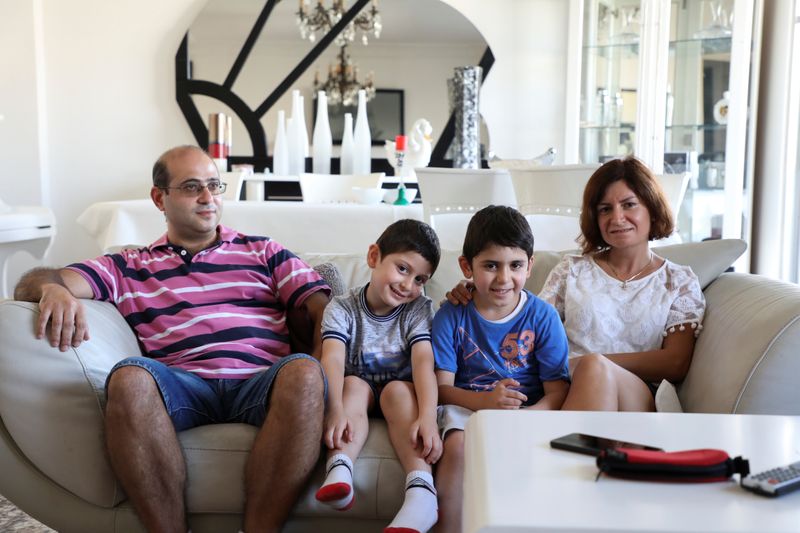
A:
[368,196]
[390,195]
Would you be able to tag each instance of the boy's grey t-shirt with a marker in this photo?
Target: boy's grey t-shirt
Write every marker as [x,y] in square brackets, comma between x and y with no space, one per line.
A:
[377,348]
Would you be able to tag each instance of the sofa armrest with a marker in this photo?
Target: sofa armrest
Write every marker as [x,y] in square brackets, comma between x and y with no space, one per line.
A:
[51,402]
[746,358]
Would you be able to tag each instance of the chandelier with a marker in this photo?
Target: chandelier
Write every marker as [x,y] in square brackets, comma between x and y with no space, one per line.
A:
[342,85]
[321,19]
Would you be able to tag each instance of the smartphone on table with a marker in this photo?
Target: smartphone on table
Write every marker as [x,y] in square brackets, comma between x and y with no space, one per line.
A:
[593,445]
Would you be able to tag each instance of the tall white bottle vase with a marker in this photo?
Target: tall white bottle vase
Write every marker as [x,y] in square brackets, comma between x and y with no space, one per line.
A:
[303,128]
[362,140]
[294,137]
[346,158]
[322,144]
[280,152]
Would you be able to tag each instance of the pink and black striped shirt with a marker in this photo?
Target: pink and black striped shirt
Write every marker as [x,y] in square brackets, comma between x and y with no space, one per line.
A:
[220,313]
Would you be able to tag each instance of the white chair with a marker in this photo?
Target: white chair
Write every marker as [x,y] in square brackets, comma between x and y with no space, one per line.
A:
[331,188]
[457,193]
[674,186]
[30,229]
[550,198]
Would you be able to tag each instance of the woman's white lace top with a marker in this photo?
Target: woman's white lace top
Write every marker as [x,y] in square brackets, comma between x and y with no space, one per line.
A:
[601,316]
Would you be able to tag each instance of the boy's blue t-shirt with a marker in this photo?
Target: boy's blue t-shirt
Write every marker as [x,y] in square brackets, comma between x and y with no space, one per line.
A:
[531,347]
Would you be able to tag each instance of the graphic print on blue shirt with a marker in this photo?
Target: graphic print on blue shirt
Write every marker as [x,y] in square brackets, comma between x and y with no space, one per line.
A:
[531,347]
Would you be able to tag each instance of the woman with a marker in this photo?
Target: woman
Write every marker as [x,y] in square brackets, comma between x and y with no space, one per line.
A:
[631,316]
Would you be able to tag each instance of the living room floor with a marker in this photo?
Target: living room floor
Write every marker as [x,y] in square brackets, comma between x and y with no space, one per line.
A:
[12,519]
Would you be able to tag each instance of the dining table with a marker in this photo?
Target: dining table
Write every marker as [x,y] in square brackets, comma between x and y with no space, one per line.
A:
[302,227]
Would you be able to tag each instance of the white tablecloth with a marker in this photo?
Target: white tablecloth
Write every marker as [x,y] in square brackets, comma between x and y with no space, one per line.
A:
[300,227]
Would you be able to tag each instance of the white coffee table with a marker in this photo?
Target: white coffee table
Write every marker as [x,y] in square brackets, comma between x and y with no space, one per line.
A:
[515,482]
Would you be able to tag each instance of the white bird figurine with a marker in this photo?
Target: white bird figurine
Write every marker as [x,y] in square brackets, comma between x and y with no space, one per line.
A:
[544,159]
[418,149]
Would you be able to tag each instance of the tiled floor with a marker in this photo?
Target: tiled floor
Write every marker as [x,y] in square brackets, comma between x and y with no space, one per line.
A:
[14,520]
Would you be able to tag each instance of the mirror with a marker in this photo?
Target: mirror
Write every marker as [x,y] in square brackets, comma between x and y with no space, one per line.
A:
[420,44]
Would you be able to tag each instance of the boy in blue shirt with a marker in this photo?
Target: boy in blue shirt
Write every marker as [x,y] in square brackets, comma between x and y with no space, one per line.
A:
[505,349]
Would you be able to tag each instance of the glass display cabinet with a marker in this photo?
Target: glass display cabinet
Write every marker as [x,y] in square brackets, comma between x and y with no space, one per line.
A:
[670,82]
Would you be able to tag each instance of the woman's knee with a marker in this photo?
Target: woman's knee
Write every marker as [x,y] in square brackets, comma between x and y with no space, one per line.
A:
[593,366]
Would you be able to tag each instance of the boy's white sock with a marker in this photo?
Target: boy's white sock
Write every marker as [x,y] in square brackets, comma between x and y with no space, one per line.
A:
[419,511]
[337,490]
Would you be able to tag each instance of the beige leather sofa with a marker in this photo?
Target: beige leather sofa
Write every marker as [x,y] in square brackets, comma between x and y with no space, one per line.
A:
[52,463]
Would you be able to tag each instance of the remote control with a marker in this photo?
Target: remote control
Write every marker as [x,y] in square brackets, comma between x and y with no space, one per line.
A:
[774,482]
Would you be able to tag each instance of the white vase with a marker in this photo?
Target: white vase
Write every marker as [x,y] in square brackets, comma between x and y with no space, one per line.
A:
[362,140]
[280,152]
[294,133]
[346,158]
[322,141]
[303,128]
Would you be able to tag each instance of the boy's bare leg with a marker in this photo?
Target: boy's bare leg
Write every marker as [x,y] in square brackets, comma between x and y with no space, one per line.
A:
[419,511]
[286,447]
[144,450]
[337,489]
[450,482]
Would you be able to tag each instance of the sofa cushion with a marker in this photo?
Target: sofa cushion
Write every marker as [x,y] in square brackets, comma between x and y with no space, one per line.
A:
[708,259]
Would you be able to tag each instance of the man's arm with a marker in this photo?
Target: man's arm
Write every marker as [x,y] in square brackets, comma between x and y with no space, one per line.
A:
[305,324]
[57,291]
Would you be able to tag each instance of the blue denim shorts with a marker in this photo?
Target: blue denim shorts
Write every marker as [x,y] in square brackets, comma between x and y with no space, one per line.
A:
[192,401]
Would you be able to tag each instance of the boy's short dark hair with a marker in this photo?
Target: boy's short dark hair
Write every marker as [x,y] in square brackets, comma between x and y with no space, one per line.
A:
[497,225]
[409,235]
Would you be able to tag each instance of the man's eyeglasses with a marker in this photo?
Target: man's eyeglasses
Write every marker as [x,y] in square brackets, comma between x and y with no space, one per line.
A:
[195,188]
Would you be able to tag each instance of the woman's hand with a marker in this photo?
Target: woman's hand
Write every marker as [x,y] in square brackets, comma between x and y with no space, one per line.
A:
[338,429]
[461,294]
[504,396]
[426,439]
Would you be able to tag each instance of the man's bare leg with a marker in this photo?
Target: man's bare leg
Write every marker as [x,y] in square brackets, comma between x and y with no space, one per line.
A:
[144,450]
[286,448]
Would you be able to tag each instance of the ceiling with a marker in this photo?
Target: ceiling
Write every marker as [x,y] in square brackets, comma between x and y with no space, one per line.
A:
[420,21]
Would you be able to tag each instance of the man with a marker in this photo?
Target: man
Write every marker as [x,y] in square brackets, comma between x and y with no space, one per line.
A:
[209,307]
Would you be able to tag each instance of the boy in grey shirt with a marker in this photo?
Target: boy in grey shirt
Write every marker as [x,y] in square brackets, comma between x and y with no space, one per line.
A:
[377,355]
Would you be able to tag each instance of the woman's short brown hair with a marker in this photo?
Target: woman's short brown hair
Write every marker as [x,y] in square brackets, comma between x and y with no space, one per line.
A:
[642,182]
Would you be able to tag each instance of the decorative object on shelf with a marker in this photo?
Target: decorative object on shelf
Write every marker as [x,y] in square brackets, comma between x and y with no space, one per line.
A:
[322,142]
[280,155]
[721,109]
[346,158]
[466,87]
[542,160]
[342,85]
[219,145]
[362,139]
[296,139]
[417,151]
[719,22]
[629,18]
[399,156]
[321,19]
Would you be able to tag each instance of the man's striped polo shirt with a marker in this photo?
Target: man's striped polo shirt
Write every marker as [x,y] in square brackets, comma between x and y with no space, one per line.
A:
[220,313]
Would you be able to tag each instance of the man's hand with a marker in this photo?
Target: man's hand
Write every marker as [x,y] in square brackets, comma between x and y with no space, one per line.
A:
[338,429]
[66,316]
[426,439]
[505,397]
[461,294]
